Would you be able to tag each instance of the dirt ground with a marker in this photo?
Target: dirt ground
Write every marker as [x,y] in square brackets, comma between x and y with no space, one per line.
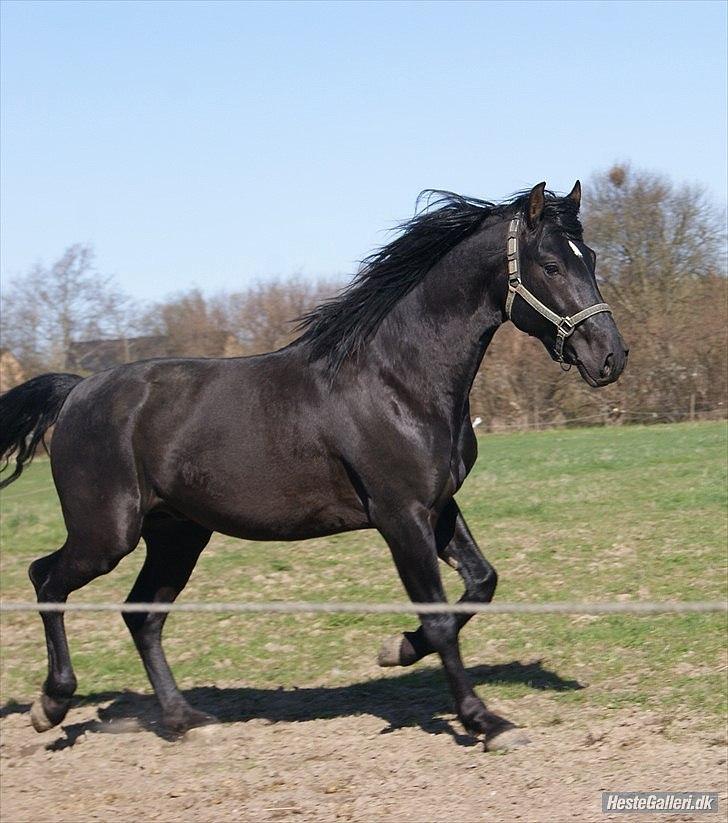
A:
[294,756]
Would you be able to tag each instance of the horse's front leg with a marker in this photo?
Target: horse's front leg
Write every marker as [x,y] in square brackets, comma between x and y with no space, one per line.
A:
[456,546]
[410,534]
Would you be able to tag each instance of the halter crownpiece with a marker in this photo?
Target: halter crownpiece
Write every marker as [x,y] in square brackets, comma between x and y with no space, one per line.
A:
[565,324]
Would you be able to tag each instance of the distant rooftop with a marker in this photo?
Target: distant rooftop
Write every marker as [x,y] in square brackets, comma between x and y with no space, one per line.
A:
[98,355]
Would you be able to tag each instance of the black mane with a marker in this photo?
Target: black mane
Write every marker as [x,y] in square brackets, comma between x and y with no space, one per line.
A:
[339,327]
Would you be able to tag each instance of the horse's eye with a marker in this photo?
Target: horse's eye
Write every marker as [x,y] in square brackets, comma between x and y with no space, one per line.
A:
[551,268]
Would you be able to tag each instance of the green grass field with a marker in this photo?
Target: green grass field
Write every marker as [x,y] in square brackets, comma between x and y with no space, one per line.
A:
[593,514]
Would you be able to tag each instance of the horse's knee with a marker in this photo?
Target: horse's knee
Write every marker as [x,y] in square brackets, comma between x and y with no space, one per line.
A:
[486,585]
[481,588]
[143,626]
[39,570]
[134,621]
[440,630]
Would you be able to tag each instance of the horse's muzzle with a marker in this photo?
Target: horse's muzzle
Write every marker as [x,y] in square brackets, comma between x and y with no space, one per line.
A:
[610,370]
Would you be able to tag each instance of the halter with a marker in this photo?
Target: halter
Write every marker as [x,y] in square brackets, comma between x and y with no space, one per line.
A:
[565,324]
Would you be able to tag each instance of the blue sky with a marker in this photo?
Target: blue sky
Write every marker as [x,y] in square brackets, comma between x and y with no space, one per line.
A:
[215,144]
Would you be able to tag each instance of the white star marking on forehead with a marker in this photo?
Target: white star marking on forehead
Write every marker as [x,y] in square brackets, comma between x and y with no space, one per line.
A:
[576,250]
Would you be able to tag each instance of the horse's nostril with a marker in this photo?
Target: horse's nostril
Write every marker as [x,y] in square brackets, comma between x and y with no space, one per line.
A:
[606,369]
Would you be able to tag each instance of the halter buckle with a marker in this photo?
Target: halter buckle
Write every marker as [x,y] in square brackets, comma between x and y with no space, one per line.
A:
[563,330]
[565,327]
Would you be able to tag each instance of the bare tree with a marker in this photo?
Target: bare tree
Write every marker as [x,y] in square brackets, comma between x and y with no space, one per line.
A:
[44,311]
[190,323]
[261,318]
[661,258]
[264,316]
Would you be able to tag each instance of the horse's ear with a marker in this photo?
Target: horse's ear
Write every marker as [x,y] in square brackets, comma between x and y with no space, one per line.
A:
[575,194]
[536,203]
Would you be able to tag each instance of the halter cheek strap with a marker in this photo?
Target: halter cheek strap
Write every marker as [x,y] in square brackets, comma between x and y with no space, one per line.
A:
[565,324]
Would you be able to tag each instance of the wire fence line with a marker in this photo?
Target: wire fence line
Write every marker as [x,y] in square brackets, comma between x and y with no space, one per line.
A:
[305,607]
[602,419]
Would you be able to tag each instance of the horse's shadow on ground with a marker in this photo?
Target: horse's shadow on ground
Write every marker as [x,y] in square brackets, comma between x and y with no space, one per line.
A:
[414,698]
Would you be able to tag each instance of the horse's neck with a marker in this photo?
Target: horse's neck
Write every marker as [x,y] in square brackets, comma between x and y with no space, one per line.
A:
[436,337]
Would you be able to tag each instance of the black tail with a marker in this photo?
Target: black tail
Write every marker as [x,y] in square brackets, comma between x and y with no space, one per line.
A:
[26,413]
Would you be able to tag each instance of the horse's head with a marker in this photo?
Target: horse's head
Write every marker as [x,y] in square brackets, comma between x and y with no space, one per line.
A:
[553,293]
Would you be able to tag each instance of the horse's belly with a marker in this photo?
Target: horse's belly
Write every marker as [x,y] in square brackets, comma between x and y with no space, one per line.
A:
[277,523]
[282,506]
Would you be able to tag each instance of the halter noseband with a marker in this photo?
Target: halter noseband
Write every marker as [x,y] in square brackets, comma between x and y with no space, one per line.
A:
[565,324]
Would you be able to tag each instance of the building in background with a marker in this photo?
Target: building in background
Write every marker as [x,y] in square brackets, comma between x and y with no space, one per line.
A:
[11,372]
[91,356]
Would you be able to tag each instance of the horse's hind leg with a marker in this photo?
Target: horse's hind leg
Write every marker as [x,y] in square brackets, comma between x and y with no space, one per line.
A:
[54,577]
[456,546]
[173,547]
[51,707]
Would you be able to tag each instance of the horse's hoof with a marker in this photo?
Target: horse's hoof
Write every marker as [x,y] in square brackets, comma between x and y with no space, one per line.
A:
[511,737]
[45,713]
[397,651]
[181,722]
[202,733]
[390,654]
[203,719]
[40,720]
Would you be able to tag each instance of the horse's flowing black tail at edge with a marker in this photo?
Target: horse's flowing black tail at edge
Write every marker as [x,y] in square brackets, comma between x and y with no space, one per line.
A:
[26,414]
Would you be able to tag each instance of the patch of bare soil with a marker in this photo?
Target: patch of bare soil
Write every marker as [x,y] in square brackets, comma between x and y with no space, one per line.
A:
[317,754]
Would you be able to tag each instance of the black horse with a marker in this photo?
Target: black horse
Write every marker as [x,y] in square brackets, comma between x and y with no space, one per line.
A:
[362,422]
